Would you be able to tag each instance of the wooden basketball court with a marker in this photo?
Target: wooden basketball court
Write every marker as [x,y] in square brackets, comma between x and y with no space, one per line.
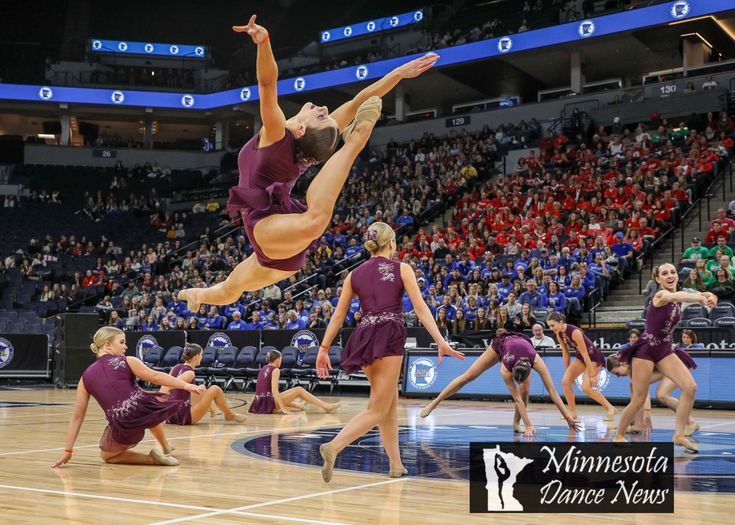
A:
[226,476]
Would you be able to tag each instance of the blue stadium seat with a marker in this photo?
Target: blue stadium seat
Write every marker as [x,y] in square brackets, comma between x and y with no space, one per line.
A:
[698,322]
[170,359]
[640,324]
[251,372]
[245,359]
[335,359]
[225,360]
[307,369]
[209,356]
[152,357]
[724,322]
[722,310]
[290,355]
[693,311]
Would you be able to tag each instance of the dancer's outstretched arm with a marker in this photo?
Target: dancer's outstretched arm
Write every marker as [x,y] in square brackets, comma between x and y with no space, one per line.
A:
[518,400]
[274,121]
[323,364]
[663,297]
[346,112]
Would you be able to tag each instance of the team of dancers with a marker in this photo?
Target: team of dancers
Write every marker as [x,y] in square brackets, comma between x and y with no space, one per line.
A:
[282,229]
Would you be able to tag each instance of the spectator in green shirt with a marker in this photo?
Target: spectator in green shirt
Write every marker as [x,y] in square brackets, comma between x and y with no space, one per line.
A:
[694,282]
[695,252]
[722,246]
[706,276]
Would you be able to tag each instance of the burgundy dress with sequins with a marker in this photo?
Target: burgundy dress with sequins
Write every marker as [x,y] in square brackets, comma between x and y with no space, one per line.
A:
[596,355]
[264,402]
[381,333]
[656,343]
[511,347]
[128,408]
[183,415]
[267,176]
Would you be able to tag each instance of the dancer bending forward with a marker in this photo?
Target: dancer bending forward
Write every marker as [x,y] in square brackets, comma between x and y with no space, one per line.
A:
[517,356]
[377,343]
[282,229]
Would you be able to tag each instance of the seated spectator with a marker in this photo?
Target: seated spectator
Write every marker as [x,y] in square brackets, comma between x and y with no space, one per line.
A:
[115,320]
[723,286]
[294,322]
[693,281]
[554,300]
[237,322]
[461,324]
[315,322]
[525,319]
[481,320]
[695,251]
[150,325]
[531,296]
[539,339]
[214,321]
[689,341]
[503,320]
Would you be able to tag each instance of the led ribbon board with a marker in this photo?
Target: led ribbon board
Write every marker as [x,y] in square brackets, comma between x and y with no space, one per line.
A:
[564,33]
[369,27]
[124,47]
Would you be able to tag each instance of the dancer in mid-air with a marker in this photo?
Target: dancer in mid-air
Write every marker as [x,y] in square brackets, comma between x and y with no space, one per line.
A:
[111,381]
[517,356]
[282,229]
[588,361]
[376,346]
[655,350]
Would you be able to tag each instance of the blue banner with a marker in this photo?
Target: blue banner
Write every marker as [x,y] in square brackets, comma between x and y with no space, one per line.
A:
[424,377]
[573,31]
[124,47]
[369,27]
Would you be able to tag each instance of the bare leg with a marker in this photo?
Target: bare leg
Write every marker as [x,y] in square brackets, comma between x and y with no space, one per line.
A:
[672,368]
[640,379]
[383,375]
[597,396]
[525,389]
[488,358]
[160,436]
[128,457]
[389,436]
[298,392]
[203,404]
[576,367]
[663,394]
[247,276]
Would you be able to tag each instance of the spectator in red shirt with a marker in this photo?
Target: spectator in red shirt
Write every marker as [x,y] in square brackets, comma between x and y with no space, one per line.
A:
[89,279]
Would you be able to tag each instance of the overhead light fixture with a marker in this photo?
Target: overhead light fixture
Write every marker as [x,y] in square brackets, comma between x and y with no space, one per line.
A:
[698,36]
[46,136]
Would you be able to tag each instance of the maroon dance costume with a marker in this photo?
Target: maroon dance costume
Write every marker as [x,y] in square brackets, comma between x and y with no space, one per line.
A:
[656,342]
[511,347]
[183,415]
[267,176]
[263,403]
[128,408]
[595,353]
[687,359]
[378,284]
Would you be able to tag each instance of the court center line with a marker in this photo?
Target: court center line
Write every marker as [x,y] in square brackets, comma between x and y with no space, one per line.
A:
[704,427]
[167,504]
[277,502]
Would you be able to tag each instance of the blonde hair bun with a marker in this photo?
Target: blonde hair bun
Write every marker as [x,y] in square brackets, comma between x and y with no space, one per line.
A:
[377,236]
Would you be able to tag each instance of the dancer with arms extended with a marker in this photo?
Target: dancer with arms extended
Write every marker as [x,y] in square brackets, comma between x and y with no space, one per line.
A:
[128,408]
[517,356]
[377,343]
[655,350]
[588,361]
[282,229]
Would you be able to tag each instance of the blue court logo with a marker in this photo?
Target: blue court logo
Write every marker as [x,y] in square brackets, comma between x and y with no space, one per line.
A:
[586,28]
[174,50]
[122,46]
[117,97]
[199,51]
[219,339]
[347,31]
[371,26]
[680,9]
[145,343]
[361,72]
[299,84]
[304,339]
[418,16]
[148,48]
[505,44]
[394,21]
[46,93]
[603,380]
[422,374]
[6,352]
[245,94]
[326,35]
[96,45]
[187,101]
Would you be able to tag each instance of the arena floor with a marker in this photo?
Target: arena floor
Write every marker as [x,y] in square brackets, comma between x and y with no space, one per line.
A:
[266,471]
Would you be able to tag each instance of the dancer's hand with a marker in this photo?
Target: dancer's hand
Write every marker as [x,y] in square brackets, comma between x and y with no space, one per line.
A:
[195,389]
[647,425]
[63,461]
[530,431]
[710,299]
[445,350]
[258,33]
[573,424]
[323,364]
[417,66]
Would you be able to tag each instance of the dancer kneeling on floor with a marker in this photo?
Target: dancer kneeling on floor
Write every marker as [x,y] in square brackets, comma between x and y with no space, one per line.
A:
[111,381]
[517,356]
[192,409]
[268,398]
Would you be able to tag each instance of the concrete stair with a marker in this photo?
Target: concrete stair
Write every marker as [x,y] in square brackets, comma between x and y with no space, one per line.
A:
[626,302]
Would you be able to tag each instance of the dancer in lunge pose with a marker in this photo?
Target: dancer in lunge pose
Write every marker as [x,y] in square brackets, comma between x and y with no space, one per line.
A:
[128,408]
[655,350]
[192,410]
[282,229]
[518,357]
[588,361]
[377,344]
